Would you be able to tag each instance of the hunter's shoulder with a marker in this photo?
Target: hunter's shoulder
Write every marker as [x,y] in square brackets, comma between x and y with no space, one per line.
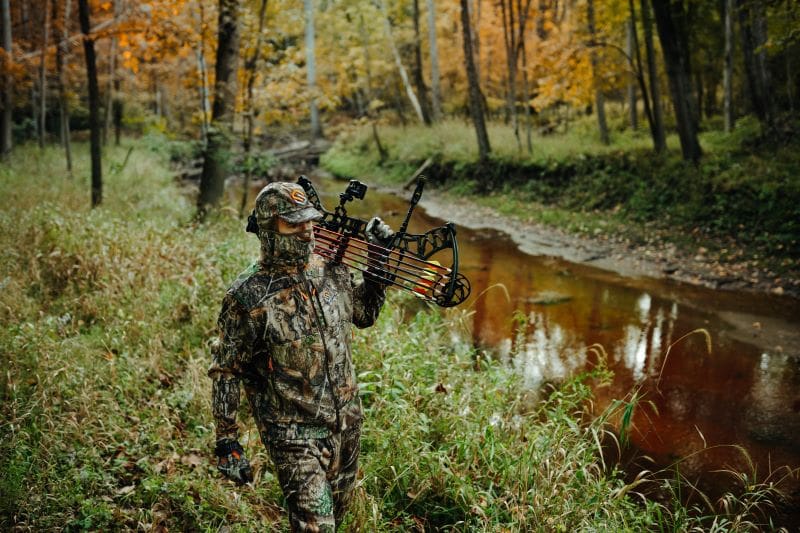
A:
[253,286]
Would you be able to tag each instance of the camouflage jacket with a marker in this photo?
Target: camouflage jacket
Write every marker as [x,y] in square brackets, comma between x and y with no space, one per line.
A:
[286,337]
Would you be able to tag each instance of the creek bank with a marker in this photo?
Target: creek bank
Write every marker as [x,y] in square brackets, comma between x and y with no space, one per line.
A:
[658,258]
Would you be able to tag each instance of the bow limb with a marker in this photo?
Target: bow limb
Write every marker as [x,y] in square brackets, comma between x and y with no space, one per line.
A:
[456,287]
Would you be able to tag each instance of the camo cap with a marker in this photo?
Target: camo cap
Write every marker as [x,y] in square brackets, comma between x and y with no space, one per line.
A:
[285,200]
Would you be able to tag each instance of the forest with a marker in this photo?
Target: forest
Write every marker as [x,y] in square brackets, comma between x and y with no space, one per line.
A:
[134,135]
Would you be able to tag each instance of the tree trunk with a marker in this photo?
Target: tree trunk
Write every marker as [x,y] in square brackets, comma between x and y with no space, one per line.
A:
[400,68]
[62,51]
[112,71]
[202,73]
[43,76]
[29,38]
[112,67]
[212,181]
[367,61]
[527,94]
[670,23]
[436,92]
[94,104]
[657,128]
[118,107]
[475,108]
[475,37]
[311,69]
[700,95]
[510,40]
[648,110]
[419,83]
[383,154]
[753,24]
[8,89]
[250,68]
[203,90]
[790,91]
[399,105]
[599,97]
[633,114]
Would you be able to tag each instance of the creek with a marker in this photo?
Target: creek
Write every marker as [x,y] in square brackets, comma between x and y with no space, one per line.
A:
[728,400]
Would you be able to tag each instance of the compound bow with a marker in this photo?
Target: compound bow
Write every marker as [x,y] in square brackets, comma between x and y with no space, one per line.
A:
[402,260]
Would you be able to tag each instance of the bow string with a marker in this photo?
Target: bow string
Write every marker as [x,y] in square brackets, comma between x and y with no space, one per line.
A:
[404,260]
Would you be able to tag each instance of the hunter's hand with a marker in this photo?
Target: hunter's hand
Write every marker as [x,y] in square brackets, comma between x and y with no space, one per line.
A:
[379,237]
[378,232]
[231,461]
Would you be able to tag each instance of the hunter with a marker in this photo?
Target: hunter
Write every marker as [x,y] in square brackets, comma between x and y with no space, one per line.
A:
[284,333]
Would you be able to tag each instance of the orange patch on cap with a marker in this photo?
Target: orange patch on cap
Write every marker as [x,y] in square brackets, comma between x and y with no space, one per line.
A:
[298,196]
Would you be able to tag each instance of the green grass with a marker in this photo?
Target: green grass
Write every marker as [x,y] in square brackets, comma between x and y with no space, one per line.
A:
[106,420]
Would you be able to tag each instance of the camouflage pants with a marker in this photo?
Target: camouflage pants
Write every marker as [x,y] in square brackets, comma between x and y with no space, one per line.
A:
[317,476]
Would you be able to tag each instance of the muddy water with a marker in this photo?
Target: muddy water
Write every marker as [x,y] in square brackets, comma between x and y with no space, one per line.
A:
[744,391]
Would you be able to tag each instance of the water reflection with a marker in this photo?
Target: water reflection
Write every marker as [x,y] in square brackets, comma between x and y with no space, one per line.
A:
[548,353]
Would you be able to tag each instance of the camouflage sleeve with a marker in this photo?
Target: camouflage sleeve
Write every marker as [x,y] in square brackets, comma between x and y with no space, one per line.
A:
[368,298]
[229,351]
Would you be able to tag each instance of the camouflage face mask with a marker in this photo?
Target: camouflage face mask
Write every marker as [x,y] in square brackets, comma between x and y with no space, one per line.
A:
[285,250]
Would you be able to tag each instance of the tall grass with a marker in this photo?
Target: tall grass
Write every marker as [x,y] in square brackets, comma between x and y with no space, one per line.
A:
[106,422]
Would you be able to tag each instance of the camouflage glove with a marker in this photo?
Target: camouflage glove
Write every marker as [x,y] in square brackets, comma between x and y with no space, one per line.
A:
[232,462]
[379,236]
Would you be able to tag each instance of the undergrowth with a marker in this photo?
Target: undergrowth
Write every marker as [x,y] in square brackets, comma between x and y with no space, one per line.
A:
[106,420]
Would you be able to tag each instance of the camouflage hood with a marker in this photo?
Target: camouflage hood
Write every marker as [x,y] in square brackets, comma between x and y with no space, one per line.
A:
[289,202]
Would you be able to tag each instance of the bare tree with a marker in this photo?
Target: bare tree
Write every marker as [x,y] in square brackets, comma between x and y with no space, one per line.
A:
[202,73]
[311,69]
[639,73]
[727,72]
[212,180]
[514,24]
[112,77]
[436,91]
[527,95]
[475,106]
[94,103]
[630,39]
[383,154]
[419,82]
[670,21]
[250,69]
[599,97]
[8,80]
[510,41]
[43,75]
[657,125]
[753,25]
[29,38]
[412,97]
[62,50]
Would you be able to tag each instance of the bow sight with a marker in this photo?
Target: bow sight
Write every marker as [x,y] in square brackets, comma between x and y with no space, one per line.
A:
[404,260]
